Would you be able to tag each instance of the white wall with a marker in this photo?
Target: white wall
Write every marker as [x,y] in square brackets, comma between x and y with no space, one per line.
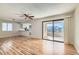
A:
[76,31]
[3,34]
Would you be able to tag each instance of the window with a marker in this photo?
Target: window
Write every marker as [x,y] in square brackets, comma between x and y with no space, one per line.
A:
[6,26]
[9,27]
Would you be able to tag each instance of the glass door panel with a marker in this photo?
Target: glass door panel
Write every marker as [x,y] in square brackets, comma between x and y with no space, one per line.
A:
[48,30]
[59,30]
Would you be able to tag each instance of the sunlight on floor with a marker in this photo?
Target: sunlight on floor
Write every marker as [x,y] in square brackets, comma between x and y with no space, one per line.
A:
[6,45]
[50,47]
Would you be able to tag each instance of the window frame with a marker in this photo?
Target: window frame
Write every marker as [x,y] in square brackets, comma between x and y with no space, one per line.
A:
[7,27]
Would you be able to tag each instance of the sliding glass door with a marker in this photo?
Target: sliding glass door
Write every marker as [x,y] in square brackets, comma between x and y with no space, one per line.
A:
[53,30]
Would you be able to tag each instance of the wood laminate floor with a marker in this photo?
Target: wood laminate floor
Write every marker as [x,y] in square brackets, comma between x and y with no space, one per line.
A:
[31,46]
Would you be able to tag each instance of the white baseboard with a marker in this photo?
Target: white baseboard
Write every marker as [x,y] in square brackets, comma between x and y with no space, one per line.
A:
[77,49]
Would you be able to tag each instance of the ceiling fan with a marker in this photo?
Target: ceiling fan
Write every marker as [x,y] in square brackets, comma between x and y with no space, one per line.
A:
[26,15]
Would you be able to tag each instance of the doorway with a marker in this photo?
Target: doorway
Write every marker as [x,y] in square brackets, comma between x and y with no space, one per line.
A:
[53,30]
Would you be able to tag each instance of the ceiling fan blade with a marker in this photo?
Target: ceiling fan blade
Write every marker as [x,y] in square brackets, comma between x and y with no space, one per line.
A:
[26,15]
[31,16]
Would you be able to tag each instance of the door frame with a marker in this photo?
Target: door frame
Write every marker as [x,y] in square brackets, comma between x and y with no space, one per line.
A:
[53,30]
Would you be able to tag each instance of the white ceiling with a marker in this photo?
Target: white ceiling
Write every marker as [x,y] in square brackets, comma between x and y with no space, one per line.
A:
[10,10]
